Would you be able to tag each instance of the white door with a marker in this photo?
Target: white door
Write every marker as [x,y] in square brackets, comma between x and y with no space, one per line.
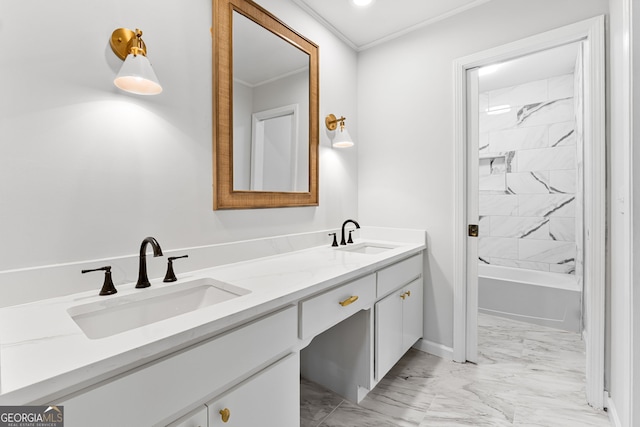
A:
[388,332]
[412,309]
[472,201]
[268,399]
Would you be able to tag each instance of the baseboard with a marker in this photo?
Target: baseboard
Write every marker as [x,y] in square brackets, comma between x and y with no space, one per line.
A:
[613,414]
[435,349]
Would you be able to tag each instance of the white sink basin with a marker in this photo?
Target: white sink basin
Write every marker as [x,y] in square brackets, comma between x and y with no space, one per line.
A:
[367,248]
[121,313]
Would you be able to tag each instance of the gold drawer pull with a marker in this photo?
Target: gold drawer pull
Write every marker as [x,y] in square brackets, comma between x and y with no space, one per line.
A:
[349,300]
[406,294]
[225,414]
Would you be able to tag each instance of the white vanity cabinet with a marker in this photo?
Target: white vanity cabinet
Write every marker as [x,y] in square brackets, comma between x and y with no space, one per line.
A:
[159,392]
[398,325]
[267,399]
[398,316]
[365,341]
[195,419]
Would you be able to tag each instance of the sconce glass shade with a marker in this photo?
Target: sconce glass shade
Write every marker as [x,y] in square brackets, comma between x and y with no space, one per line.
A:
[137,76]
[342,139]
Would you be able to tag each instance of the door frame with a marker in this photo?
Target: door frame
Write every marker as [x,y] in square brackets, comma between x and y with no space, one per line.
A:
[592,32]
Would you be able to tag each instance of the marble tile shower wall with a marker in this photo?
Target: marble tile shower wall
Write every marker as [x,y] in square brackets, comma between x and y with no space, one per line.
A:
[527,176]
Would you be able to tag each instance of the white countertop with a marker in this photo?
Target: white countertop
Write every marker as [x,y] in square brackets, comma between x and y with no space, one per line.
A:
[45,355]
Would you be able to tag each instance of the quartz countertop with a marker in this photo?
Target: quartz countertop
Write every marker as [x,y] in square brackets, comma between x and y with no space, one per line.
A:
[45,355]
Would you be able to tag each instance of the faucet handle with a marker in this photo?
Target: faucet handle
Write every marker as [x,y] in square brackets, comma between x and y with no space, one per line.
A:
[335,239]
[171,276]
[107,287]
[350,239]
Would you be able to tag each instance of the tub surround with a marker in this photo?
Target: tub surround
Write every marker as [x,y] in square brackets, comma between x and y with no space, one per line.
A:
[46,356]
[527,176]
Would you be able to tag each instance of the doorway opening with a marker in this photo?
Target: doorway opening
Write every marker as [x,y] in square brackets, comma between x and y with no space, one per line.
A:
[525,247]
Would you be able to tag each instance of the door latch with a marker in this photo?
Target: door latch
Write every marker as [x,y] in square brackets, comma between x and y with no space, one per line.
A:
[473,230]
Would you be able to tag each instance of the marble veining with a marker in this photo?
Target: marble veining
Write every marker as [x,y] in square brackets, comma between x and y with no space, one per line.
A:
[518,139]
[534,114]
[527,375]
[529,183]
[539,139]
[554,158]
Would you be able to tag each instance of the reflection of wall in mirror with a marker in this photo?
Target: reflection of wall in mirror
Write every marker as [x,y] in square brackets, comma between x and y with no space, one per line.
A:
[292,89]
[242,110]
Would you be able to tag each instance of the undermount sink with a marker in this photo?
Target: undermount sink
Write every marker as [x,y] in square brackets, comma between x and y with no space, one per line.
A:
[368,248]
[121,313]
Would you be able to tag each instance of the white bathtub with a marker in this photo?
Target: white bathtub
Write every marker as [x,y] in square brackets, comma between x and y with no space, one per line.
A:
[540,297]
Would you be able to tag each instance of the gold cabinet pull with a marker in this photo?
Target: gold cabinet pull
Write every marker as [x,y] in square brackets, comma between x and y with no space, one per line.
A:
[225,414]
[349,300]
[406,294]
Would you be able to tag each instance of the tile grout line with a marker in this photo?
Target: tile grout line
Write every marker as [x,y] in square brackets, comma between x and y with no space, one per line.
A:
[329,414]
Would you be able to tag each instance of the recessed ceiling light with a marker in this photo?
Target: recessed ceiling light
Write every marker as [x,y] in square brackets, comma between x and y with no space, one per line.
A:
[362,3]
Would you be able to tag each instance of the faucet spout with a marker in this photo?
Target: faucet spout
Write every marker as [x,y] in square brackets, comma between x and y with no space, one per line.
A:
[354,222]
[143,280]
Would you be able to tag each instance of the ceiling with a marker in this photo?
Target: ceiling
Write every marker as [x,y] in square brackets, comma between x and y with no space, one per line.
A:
[557,61]
[364,27]
[383,20]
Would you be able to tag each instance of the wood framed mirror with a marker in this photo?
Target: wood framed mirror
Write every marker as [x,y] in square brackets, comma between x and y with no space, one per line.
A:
[265,110]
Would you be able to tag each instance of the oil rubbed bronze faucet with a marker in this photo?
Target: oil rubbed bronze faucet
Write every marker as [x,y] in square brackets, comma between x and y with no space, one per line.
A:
[143,280]
[354,222]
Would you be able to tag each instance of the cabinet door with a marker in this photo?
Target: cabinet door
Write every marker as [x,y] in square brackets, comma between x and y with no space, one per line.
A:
[412,323]
[388,333]
[270,398]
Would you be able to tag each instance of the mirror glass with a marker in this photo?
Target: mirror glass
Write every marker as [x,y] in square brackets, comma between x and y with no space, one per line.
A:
[265,110]
[270,110]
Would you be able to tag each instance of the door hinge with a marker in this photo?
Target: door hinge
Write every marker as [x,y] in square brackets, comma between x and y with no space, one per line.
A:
[473,230]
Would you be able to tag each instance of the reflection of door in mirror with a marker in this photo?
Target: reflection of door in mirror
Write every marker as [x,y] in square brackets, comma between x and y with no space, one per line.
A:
[274,151]
[272,154]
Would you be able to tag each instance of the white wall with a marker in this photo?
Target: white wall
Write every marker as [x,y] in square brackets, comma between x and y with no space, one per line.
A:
[86,171]
[242,113]
[405,101]
[619,352]
[635,208]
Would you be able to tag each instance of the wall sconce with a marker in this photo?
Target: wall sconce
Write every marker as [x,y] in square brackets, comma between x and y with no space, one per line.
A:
[136,75]
[342,138]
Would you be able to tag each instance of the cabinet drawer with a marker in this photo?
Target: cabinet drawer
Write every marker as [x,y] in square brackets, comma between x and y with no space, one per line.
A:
[398,275]
[321,312]
[153,393]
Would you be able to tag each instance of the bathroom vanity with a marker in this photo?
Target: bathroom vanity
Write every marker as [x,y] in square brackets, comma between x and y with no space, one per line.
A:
[224,345]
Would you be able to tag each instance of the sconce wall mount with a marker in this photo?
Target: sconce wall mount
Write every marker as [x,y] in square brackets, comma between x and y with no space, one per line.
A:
[332,122]
[124,41]
[342,138]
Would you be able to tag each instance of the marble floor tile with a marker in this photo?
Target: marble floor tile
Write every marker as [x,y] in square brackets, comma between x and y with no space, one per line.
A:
[527,375]
[316,403]
[400,398]
[349,414]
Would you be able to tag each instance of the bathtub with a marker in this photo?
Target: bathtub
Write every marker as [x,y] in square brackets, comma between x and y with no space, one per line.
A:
[540,297]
